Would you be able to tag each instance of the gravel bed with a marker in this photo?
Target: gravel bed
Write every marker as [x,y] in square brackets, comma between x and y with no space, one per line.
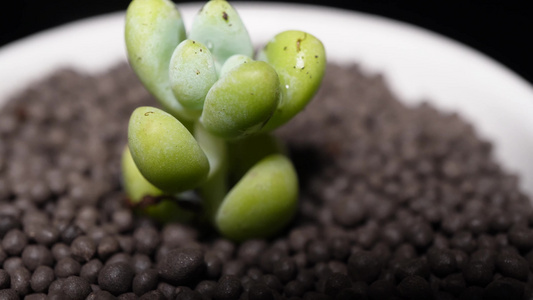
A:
[396,202]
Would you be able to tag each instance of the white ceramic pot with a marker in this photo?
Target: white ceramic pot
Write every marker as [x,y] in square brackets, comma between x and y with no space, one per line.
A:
[419,65]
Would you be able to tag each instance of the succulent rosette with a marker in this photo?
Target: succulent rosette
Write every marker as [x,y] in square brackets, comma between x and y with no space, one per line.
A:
[219,104]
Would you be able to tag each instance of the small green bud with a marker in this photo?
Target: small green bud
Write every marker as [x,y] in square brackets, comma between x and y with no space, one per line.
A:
[242,101]
[165,152]
[262,202]
[300,60]
[234,61]
[192,73]
[219,27]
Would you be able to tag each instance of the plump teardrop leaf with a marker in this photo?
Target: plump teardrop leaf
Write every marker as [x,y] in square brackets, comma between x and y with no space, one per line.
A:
[219,27]
[262,202]
[153,30]
[242,101]
[137,187]
[300,60]
[165,152]
[192,73]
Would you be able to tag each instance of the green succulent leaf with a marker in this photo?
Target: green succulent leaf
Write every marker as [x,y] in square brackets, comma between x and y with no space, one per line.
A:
[137,187]
[234,61]
[192,73]
[242,101]
[300,60]
[165,152]
[135,184]
[262,202]
[219,27]
[153,30]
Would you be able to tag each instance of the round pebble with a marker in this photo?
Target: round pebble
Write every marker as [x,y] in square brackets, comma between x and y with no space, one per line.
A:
[145,282]
[512,265]
[5,279]
[116,278]
[182,266]
[34,256]
[83,248]
[228,287]
[90,270]
[20,281]
[9,294]
[41,279]
[76,288]
[364,266]
[67,267]
[146,240]
[14,242]
[441,262]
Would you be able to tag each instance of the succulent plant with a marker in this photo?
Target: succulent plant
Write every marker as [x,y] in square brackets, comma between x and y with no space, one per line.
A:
[219,105]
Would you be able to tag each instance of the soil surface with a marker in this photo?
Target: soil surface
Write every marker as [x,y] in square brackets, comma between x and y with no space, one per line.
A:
[396,202]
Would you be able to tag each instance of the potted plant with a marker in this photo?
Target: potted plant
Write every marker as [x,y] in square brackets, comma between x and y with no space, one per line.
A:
[219,107]
[395,201]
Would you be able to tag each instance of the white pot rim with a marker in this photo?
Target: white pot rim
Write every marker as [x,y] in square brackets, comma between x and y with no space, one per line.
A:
[418,65]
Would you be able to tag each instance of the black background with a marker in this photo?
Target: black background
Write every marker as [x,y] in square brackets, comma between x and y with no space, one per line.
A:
[502,30]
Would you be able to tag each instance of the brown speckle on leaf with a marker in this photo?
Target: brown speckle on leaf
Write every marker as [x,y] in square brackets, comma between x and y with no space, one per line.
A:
[148,113]
[299,42]
[225,16]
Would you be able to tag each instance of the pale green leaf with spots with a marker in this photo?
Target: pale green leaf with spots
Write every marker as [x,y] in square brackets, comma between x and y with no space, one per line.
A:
[219,27]
[300,60]
[192,73]
[153,30]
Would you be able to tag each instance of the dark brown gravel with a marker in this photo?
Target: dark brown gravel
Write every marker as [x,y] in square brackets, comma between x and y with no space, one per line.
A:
[396,202]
